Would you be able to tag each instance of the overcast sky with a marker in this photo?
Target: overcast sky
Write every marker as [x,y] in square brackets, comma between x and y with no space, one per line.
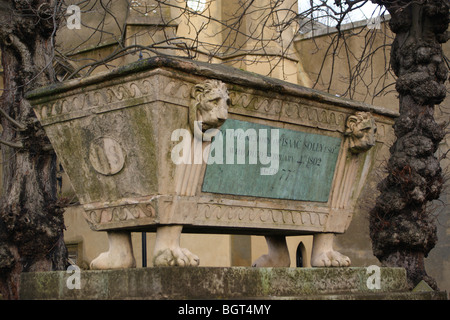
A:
[367,11]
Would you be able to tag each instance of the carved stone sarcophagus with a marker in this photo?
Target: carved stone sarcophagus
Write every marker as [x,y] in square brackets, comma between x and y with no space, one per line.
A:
[209,148]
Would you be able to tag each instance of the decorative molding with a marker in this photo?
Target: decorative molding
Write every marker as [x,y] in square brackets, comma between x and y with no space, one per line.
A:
[95,101]
[108,214]
[190,210]
[272,218]
[163,86]
[287,110]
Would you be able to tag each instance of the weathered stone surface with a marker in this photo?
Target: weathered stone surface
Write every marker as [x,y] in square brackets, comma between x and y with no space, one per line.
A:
[221,283]
[114,134]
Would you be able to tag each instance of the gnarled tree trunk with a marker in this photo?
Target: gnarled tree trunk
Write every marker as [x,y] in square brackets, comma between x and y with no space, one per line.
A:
[402,230]
[31,222]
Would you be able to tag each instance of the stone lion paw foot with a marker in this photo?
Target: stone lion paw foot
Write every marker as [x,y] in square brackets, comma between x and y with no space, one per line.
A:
[175,257]
[108,260]
[330,259]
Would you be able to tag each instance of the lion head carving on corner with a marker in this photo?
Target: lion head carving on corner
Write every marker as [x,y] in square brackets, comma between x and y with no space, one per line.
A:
[361,130]
[209,105]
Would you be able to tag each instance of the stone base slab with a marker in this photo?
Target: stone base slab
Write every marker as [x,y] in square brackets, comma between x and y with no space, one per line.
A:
[219,283]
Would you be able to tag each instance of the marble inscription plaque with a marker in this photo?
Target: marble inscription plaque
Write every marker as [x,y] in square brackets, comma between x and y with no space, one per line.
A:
[275,163]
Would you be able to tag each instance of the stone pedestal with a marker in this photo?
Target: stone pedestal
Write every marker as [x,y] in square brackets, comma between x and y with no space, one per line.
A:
[220,283]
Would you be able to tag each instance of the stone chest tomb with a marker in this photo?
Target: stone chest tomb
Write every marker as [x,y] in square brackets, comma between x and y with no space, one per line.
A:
[170,145]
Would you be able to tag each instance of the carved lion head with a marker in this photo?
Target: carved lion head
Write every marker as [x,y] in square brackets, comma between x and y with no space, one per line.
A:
[361,129]
[209,104]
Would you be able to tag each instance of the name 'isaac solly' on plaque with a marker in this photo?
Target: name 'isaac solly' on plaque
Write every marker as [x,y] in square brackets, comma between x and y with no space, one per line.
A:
[301,164]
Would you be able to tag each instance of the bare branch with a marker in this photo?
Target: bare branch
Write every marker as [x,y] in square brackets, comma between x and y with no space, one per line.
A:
[16,145]
[19,125]
[12,40]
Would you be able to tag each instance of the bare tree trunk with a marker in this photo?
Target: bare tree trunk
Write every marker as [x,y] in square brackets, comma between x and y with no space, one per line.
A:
[402,230]
[31,221]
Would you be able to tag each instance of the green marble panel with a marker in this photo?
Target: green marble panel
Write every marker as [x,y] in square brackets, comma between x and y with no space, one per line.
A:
[297,165]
